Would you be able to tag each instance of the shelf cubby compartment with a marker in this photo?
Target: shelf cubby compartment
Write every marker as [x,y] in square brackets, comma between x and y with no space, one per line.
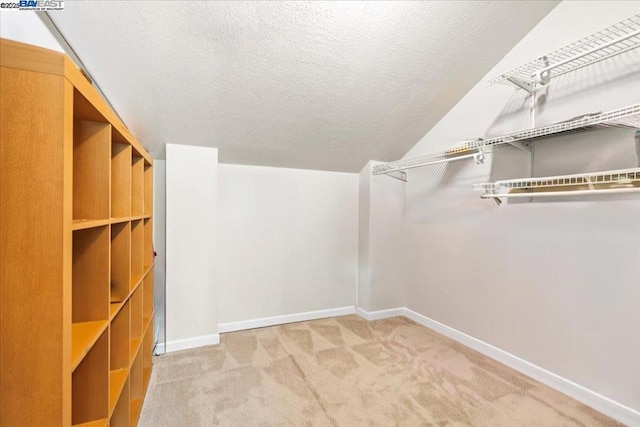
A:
[91,378]
[89,291]
[91,165]
[585,184]
[120,337]
[148,189]
[121,412]
[119,354]
[120,261]
[83,337]
[137,186]
[120,180]
[147,297]
[136,320]
[90,275]
[148,255]
[136,384]
[147,353]
[137,252]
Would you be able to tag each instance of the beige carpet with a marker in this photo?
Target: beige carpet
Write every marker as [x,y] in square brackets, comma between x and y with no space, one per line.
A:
[345,371]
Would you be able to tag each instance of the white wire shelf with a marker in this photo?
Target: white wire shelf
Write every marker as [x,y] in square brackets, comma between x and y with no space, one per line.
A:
[611,41]
[627,117]
[607,182]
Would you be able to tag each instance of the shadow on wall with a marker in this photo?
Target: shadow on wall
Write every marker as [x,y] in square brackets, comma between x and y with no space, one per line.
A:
[566,96]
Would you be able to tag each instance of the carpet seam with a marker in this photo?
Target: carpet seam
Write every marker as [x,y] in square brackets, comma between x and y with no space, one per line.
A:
[314,392]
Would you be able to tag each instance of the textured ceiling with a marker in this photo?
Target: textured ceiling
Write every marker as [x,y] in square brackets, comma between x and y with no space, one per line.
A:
[322,85]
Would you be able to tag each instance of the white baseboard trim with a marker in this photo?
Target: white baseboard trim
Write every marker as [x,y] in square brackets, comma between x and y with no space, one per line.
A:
[187,343]
[380,314]
[622,413]
[287,318]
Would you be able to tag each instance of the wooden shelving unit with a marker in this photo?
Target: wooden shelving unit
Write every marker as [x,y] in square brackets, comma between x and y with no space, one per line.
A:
[76,198]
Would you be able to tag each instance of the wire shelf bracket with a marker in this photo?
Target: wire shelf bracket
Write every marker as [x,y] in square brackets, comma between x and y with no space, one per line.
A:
[611,41]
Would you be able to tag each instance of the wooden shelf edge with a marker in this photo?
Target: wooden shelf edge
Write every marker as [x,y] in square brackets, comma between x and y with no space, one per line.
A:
[134,347]
[120,220]
[32,58]
[140,217]
[83,224]
[83,336]
[146,321]
[113,311]
[97,423]
[117,379]
[137,280]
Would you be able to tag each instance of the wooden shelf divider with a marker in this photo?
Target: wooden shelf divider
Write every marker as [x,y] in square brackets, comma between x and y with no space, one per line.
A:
[81,224]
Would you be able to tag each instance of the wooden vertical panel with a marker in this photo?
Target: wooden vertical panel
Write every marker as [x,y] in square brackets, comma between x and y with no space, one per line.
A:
[91,169]
[147,354]
[67,254]
[147,304]
[136,384]
[137,186]
[91,256]
[35,249]
[136,313]
[137,251]
[91,384]
[120,261]
[120,180]
[148,243]
[148,189]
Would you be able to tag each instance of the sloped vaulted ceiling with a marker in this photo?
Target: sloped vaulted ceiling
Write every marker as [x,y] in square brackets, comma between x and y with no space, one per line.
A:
[317,85]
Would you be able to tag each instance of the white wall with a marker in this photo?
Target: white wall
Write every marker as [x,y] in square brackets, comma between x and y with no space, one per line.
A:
[25,26]
[160,246]
[553,282]
[381,241]
[191,215]
[288,241]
